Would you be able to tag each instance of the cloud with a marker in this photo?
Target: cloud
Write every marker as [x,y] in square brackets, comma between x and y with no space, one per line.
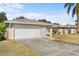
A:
[12,9]
[35,15]
[58,18]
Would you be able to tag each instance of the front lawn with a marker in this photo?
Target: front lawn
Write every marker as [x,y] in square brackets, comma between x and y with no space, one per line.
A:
[12,48]
[70,38]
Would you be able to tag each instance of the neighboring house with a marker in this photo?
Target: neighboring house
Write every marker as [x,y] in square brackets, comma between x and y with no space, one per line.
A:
[65,29]
[26,28]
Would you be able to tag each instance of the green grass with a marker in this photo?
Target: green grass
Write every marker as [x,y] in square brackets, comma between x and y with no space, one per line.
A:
[12,48]
[70,38]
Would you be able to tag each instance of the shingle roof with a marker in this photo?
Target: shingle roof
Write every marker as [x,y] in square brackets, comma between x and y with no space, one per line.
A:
[27,21]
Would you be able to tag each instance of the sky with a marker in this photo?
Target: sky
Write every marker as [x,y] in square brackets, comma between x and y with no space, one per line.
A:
[54,12]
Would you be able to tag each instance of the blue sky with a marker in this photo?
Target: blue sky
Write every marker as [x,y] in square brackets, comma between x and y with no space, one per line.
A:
[54,12]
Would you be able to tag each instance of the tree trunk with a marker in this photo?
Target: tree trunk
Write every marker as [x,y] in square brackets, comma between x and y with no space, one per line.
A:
[77,12]
[77,26]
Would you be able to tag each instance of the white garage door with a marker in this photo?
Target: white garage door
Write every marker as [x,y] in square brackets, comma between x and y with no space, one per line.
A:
[23,32]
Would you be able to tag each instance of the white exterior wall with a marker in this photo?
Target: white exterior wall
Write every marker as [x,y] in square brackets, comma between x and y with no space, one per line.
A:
[26,31]
[50,32]
[73,31]
[43,31]
[10,32]
[66,31]
[61,31]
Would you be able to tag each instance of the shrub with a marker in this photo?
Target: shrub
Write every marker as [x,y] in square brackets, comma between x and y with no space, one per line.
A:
[2,31]
[55,31]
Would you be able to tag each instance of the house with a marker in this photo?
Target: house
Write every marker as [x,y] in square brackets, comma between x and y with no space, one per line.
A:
[26,28]
[65,29]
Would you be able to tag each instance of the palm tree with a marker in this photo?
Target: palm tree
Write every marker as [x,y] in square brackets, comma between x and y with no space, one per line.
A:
[75,11]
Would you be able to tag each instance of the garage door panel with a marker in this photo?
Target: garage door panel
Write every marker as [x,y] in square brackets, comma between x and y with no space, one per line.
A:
[27,33]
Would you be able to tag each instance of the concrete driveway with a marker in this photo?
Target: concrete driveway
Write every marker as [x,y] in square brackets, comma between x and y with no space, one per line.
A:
[47,47]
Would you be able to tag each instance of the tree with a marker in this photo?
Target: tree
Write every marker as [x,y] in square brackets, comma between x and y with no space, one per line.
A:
[56,24]
[44,20]
[75,11]
[3,16]
[2,25]
[21,17]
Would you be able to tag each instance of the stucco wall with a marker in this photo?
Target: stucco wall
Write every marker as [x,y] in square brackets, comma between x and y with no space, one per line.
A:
[42,29]
[10,32]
